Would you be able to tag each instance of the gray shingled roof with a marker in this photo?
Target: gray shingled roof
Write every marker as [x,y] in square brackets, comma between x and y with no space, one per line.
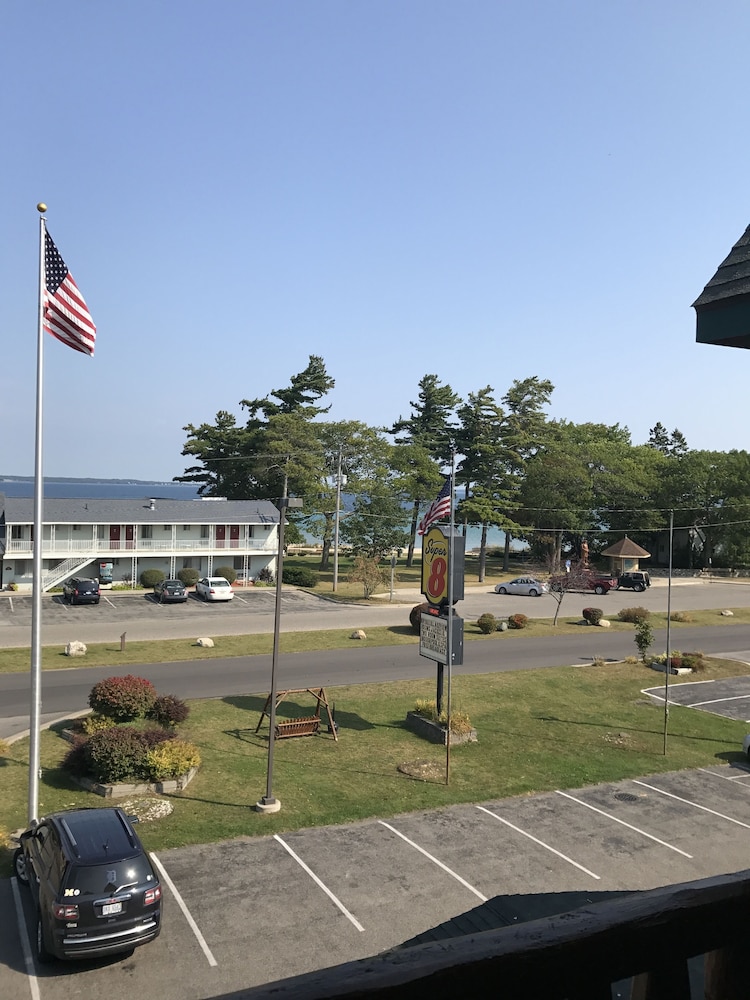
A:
[732,277]
[20,510]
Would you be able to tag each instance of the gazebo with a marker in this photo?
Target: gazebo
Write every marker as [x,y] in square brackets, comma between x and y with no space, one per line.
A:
[624,555]
[723,307]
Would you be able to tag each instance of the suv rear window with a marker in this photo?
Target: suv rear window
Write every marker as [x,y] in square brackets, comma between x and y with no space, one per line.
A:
[94,880]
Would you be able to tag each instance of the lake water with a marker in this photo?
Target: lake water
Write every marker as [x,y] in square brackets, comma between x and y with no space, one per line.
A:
[60,489]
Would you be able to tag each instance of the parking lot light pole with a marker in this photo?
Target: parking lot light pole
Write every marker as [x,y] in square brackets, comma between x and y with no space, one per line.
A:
[268,803]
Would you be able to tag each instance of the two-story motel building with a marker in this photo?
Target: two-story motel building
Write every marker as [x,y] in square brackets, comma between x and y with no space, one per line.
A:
[115,540]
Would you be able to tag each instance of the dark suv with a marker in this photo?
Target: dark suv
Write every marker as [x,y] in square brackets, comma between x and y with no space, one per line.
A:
[95,890]
[633,581]
[80,591]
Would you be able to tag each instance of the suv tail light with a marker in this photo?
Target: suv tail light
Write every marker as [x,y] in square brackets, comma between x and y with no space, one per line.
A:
[65,911]
[152,896]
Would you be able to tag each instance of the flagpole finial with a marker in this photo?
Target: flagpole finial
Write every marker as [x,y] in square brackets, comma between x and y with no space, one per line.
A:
[41,207]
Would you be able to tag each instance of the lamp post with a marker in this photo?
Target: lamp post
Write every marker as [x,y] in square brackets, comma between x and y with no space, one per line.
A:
[268,803]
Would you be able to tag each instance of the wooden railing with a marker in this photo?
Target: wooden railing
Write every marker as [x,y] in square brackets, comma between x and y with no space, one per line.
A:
[647,937]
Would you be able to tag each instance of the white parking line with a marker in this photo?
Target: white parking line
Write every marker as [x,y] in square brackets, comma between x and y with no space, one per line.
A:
[694,804]
[25,943]
[724,777]
[108,600]
[434,860]
[186,913]
[541,843]
[623,823]
[717,701]
[319,883]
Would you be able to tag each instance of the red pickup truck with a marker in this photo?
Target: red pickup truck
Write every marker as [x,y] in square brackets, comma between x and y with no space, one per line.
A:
[582,582]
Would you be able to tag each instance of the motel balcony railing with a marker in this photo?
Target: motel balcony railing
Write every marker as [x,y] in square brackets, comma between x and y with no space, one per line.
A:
[59,548]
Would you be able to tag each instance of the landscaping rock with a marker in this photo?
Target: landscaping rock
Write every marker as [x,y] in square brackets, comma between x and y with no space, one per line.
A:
[206,643]
[728,614]
[358,634]
[75,648]
[147,809]
[603,623]
[502,627]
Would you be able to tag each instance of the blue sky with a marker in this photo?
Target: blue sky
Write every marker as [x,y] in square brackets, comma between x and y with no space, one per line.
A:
[483,190]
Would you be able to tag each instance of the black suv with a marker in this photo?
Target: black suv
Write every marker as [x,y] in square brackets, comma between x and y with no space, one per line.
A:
[95,890]
[633,581]
[79,591]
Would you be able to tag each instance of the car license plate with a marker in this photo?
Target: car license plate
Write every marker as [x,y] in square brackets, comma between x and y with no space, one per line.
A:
[109,908]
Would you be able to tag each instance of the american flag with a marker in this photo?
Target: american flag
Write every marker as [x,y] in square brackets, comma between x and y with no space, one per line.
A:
[439,507]
[66,315]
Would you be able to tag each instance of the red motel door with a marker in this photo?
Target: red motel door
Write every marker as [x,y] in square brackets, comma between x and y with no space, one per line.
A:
[234,535]
[129,536]
[114,536]
[221,535]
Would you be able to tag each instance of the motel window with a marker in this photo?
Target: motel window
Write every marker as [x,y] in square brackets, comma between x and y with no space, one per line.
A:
[146,531]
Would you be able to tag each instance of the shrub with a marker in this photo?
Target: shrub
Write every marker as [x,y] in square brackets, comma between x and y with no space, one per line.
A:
[415,615]
[4,748]
[696,662]
[121,753]
[265,576]
[592,615]
[75,760]
[188,577]
[517,621]
[460,721]
[644,636]
[150,577]
[13,585]
[169,710]
[171,758]
[634,615]
[300,576]
[681,616]
[95,723]
[123,698]
[487,623]
[229,574]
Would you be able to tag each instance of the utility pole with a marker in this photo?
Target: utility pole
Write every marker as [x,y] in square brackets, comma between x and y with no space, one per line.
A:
[336,526]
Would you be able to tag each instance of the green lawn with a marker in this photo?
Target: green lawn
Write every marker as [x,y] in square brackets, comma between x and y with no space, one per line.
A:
[538,730]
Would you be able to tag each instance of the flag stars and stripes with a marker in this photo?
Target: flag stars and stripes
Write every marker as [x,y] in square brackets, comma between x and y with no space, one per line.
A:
[439,508]
[66,315]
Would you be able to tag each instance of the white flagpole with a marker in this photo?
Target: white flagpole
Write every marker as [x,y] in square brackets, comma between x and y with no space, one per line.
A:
[36,600]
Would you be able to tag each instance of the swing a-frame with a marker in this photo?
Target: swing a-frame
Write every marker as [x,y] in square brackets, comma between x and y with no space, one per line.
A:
[307,725]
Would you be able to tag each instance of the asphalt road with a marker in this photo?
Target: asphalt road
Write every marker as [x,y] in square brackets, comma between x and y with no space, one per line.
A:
[66,691]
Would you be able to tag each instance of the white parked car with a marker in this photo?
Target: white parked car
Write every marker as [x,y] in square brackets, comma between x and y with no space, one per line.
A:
[526,586]
[746,745]
[214,588]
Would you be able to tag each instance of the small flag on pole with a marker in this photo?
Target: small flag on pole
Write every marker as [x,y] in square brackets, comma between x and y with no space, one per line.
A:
[439,507]
[66,315]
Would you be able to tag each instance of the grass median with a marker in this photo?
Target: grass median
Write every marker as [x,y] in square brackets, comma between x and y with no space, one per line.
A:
[170,650]
[564,727]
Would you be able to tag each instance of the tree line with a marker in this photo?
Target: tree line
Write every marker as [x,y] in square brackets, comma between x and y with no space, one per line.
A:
[551,484]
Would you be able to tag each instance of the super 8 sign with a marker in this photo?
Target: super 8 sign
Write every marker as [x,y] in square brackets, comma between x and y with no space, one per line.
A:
[435,566]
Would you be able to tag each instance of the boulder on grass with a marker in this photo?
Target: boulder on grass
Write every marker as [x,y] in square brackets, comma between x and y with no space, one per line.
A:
[358,634]
[206,643]
[75,648]
[728,613]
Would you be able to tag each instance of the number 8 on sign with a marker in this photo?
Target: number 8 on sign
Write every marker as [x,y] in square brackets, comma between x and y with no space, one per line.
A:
[436,580]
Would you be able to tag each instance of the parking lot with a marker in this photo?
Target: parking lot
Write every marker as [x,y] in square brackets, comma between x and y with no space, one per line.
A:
[252,911]
[729,696]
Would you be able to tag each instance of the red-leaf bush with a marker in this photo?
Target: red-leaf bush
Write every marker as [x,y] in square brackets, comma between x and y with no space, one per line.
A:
[169,710]
[121,753]
[592,615]
[517,621]
[415,616]
[123,698]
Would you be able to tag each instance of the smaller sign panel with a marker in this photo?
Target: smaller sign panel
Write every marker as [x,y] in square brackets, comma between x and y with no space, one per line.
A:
[433,638]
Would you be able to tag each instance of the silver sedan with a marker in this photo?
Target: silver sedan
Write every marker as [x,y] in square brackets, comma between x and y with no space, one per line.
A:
[525,586]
